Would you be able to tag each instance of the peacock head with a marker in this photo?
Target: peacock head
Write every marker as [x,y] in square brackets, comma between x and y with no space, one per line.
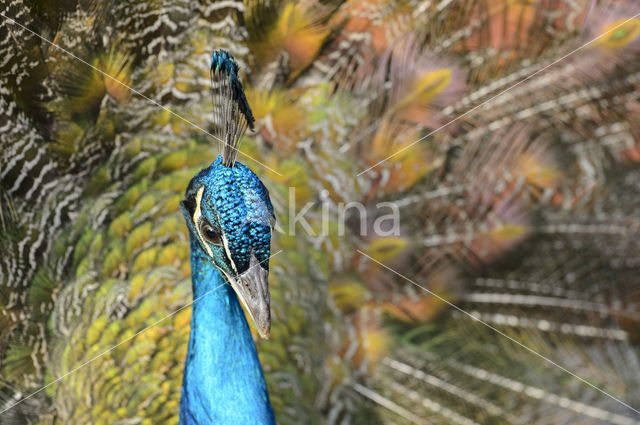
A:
[227,208]
[230,217]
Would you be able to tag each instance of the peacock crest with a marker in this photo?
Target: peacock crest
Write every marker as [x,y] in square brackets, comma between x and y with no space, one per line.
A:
[232,114]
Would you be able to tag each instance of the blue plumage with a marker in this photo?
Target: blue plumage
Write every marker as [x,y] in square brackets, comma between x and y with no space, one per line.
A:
[223,382]
[237,201]
[229,215]
[230,218]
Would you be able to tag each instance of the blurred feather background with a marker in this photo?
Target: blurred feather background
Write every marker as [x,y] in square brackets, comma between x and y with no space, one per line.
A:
[524,211]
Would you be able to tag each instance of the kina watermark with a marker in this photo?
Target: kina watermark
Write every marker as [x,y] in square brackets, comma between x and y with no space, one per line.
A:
[323,216]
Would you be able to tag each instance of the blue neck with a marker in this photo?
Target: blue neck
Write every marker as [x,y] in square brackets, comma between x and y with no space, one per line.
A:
[223,381]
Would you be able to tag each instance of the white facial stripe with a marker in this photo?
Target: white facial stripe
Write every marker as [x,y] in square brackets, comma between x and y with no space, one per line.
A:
[225,243]
[229,278]
[196,221]
[226,249]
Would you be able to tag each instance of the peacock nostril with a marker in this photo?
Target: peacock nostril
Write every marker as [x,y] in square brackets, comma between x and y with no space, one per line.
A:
[248,287]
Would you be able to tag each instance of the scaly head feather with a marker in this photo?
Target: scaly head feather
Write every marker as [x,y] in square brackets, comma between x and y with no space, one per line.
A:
[230,217]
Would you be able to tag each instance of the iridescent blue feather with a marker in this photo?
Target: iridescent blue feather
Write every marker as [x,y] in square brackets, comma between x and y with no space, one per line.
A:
[229,216]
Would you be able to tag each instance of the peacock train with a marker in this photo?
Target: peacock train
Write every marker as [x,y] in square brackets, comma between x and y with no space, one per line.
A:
[189,237]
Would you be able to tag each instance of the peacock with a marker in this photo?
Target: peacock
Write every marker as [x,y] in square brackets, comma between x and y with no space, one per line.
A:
[229,216]
[502,133]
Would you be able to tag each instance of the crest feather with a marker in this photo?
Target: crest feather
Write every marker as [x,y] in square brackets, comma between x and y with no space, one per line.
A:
[232,114]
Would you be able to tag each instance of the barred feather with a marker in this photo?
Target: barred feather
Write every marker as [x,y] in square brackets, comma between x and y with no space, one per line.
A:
[522,210]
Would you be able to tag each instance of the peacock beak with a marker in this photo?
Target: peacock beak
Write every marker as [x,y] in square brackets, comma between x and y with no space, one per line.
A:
[252,288]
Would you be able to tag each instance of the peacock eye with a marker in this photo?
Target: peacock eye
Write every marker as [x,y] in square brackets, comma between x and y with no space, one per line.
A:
[210,234]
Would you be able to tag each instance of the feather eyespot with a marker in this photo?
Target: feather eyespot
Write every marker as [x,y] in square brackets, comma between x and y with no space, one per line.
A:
[210,234]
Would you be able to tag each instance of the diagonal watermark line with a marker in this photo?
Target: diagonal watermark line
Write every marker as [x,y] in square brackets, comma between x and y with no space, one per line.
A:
[126,340]
[527,78]
[136,92]
[531,350]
